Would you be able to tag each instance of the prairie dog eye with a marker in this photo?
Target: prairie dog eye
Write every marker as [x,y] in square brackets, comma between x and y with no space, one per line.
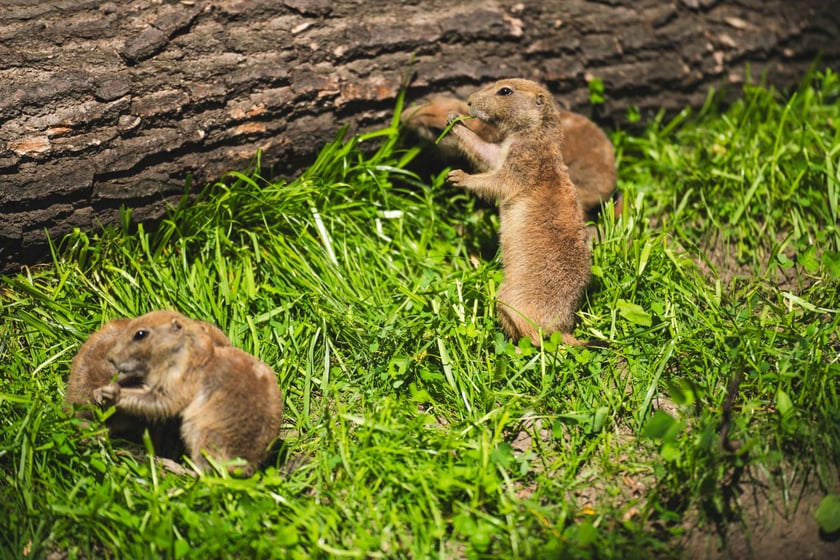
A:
[141,334]
[504,91]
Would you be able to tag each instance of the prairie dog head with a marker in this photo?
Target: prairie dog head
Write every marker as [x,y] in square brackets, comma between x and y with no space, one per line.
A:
[513,105]
[149,344]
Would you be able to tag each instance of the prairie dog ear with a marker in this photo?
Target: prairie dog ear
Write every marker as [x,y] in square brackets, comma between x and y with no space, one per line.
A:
[176,325]
[540,100]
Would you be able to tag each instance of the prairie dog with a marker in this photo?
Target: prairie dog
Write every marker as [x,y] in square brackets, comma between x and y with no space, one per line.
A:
[546,259]
[587,151]
[228,401]
[90,369]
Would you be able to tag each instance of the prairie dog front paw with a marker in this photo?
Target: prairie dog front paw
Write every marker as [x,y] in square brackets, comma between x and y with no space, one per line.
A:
[457,177]
[107,395]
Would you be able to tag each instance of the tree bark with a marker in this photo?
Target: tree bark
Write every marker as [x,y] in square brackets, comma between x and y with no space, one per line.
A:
[116,103]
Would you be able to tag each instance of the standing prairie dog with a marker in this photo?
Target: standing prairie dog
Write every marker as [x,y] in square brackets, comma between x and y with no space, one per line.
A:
[586,150]
[546,259]
[228,401]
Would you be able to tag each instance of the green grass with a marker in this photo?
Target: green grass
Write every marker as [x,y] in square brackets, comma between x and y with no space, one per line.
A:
[415,429]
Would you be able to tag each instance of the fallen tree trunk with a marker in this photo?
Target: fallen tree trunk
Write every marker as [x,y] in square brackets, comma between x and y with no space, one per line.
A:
[109,104]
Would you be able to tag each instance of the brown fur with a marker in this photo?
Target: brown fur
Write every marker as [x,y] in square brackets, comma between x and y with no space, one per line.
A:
[543,241]
[228,401]
[90,369]
[586,151]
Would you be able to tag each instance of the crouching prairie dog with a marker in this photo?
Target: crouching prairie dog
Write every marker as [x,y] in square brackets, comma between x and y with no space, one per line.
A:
[546,259]
[586,150]
[90,369]
[169,366]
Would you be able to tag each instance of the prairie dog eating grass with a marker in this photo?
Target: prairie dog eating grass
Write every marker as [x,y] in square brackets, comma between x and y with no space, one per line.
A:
[545,255]
[170,366]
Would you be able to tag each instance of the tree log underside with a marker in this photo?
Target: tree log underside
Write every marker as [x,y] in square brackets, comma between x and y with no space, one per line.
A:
[110,104]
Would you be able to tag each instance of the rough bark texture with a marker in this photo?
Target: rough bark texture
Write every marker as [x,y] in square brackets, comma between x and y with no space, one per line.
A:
[115,103]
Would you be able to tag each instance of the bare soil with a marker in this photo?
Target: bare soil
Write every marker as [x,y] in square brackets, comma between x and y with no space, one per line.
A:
[774,524]
[767,522]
